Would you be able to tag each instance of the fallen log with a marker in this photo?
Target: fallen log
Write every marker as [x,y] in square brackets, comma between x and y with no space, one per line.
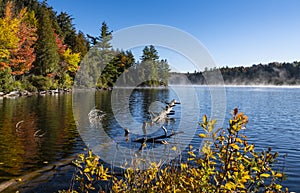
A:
[155,139]
[164,113]
[14,184]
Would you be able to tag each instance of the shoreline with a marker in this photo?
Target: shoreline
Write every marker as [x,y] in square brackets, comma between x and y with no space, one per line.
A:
[17,94]
[25,93]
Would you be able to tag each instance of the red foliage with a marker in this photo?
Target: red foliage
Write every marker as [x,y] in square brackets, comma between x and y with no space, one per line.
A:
[61,46]
[23,57]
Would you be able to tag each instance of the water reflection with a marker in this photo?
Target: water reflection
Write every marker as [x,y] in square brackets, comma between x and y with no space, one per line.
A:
[273,121]
[126,109]
[21,148]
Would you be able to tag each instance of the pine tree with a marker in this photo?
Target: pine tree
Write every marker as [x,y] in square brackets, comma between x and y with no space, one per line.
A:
[150,63]
[81,45]
[163,72]
[149,53]
[47,57]
[105,37]
[68,30]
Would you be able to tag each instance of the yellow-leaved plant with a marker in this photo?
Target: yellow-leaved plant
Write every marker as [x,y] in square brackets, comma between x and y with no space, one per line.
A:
[235,165]
[226,163]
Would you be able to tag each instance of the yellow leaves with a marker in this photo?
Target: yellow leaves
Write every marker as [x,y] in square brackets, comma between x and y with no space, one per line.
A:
[226,165]
[8,36]
[249,148]
[202,135]
[72,59]
[234,146]
[278,187]
[191,153]
[238,122]
[230,186]
[204,119]
[183,166]
[238,140]
[256,169]
[265,175]
[239,115]
[243,136]
[87,170]
[16,37]
[278,175]
[102,173]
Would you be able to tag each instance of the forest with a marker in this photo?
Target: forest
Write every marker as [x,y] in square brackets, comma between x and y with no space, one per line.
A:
[274,73]
[41,49]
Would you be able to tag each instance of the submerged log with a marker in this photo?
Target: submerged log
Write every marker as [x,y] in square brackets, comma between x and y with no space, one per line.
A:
[14,184]
[155,139]
[157,118]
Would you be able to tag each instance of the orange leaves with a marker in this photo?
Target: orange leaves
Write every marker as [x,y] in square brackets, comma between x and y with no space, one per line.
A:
[17,38]
[23,57]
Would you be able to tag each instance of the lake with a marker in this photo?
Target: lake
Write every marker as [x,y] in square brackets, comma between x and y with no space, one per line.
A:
[39,130]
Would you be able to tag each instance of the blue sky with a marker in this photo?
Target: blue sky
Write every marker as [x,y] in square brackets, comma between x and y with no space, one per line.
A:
[235,32]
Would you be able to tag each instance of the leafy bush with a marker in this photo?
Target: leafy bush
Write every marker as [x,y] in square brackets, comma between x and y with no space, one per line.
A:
[41,82]
[6,80]
[227,163]
[29,87]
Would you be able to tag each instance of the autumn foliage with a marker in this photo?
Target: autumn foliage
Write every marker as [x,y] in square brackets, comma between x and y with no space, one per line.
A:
[25,56]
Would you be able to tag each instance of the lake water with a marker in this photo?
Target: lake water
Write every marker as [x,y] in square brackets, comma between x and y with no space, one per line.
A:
[47,129]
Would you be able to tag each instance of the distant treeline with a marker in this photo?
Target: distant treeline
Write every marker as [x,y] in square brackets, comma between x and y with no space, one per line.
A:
[41,49]
[270,74]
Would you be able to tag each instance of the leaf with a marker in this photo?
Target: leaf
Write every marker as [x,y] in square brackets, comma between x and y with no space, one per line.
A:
[278,175]
[174,148]
[243,136]
[234,146]
[278,187]
[229,185]
[265,175]
[191,153]
[86,170]
[238,140]
[256,169]
[90,154]
[202,135]
[239,115]
[214,121]
[204,119]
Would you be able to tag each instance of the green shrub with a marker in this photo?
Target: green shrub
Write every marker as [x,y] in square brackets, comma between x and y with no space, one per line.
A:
[227,163]
[41,82]
[29,87]
[6,80]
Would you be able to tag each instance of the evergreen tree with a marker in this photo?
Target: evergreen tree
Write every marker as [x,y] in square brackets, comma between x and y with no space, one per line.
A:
[164,72]
[81,44]
[68,30]
[103,41]
[149,53]
[150,63]
[105,37]
[47,57]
